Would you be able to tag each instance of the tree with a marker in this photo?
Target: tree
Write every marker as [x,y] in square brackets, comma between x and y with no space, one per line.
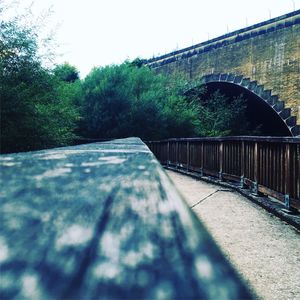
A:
[130,100]
[221,116]
[138,62]
[35,111]
[66,72]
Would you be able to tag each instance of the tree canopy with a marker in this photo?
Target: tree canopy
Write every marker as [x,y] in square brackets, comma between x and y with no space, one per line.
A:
[130,100]
[66,72]
[221,116]
[37,109]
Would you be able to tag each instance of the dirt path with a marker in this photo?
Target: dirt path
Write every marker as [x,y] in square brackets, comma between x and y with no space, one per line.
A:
[264,249]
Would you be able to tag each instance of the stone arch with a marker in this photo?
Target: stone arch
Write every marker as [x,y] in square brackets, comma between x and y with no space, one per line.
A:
[273,101]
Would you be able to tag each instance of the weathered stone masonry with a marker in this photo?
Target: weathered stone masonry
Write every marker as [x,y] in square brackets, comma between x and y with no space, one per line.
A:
[264,58]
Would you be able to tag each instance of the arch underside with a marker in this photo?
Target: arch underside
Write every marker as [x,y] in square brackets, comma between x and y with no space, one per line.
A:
[252,87]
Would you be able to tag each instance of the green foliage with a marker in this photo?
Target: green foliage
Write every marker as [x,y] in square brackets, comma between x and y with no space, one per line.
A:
[37,108]
[66,72]
[138,62]
[219,115]
[130,100]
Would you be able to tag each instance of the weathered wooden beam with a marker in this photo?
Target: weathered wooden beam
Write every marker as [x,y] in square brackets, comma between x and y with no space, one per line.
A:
[103,221]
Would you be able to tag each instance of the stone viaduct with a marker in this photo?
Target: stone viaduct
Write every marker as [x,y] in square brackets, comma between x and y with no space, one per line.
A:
[262,60]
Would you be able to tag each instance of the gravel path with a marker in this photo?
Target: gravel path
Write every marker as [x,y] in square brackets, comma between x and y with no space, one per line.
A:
[264,249]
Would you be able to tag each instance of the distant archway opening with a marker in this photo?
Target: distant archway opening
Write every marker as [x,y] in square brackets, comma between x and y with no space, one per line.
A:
[264,110]
[259,114]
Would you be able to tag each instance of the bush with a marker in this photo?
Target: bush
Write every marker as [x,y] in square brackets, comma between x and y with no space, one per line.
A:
[220,115]
[130,100]
[37,107]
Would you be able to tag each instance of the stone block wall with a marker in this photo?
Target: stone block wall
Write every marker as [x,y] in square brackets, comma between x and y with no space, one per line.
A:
[268,53]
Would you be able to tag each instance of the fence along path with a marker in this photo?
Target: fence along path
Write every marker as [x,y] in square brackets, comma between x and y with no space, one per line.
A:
[269,166]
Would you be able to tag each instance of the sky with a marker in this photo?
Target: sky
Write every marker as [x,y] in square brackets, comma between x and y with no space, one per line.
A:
[91,33]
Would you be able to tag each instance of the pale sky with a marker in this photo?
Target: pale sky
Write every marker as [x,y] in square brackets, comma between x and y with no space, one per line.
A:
[101,32]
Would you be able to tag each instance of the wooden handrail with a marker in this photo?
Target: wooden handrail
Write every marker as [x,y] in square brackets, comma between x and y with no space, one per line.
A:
[293,140]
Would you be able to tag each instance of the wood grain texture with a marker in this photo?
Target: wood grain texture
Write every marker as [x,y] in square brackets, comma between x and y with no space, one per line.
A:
[103,221]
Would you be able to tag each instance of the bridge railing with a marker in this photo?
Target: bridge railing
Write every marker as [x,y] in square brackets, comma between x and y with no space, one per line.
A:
[267,165]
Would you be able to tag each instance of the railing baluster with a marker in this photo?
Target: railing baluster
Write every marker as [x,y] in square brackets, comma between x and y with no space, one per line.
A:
[242,164]
[255,163]
[176,153]
[168,154]
[287,177]
[221,146]
[187,155]
[202,158]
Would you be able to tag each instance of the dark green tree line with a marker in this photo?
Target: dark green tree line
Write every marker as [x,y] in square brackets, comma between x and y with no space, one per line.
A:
[130,100]
[37,105]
